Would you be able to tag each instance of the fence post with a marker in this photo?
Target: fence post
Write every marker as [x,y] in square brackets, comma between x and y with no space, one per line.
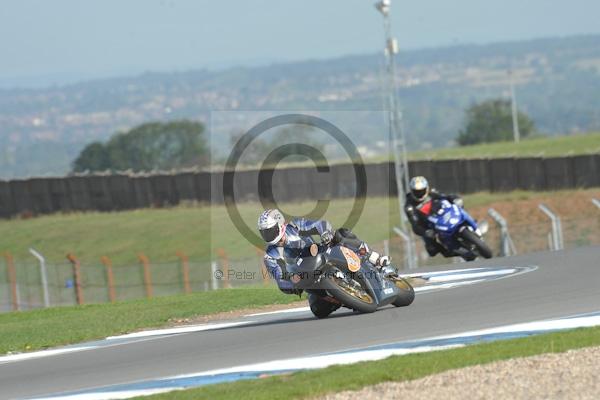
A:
[110,279]
[507,246]
[76,277]
[225,267]
[261,266]
[44,276]
[185,269]
[386,247]
[408,243]
[147,274]
[12,279]
[557,239]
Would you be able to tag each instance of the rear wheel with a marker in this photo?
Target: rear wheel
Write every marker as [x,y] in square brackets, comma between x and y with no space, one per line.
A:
[351,291]
[407,293]
[481,247]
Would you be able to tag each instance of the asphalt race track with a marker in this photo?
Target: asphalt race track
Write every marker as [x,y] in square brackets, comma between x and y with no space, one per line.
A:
[565,283]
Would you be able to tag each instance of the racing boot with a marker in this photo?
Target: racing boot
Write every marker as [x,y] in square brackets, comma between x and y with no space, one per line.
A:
[465,254]
[383,263]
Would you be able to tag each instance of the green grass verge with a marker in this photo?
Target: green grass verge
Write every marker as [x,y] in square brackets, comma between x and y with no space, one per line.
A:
[534,147]
[195,230]
[39,329]
[160,233]
[397,368]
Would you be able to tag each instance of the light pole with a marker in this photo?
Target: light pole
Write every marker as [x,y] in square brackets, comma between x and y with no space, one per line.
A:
[513,104]
[396,133]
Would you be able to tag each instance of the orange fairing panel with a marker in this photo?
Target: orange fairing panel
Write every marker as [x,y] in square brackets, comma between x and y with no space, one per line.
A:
[352,259]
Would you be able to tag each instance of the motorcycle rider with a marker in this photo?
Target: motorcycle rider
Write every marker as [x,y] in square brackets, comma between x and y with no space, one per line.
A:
[287,242]
[418,207]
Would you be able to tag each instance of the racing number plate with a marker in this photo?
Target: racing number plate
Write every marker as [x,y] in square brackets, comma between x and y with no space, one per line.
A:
[351,258]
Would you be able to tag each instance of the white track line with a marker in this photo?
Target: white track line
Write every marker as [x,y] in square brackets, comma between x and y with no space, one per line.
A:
[112,341]
[453,278]
[289,310]
[176,331]
[372,353]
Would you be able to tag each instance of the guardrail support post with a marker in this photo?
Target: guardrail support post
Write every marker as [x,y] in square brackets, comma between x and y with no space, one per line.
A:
[411,261]
[110,279]
[507,246]
[76,277]
[147,274]
[43,275]
[185,270]
[12,279]
[213,276]
[557,238]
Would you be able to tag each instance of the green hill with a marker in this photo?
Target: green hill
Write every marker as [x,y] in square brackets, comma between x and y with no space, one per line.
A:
[535,147]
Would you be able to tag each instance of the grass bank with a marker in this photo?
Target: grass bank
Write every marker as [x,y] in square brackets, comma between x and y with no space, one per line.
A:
[397,368]
[198,230]
[39,329]
[554,146]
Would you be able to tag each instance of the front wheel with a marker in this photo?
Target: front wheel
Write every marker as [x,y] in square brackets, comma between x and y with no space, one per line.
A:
[407,293]
[351,291]
[480,246]
[320,307]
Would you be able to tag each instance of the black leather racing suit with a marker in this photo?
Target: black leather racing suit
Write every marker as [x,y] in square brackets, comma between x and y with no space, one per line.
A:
[417,213]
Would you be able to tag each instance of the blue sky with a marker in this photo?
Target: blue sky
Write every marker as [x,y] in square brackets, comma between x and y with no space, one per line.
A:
[59,41]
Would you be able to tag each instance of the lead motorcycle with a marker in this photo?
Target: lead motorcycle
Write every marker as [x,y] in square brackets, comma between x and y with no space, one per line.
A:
[457,231]
[351,280]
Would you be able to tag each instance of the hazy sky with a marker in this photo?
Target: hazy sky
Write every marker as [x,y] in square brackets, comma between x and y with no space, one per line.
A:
[58,41]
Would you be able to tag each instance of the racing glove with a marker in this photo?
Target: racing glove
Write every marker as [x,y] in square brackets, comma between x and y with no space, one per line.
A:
[326,237]
[429,234]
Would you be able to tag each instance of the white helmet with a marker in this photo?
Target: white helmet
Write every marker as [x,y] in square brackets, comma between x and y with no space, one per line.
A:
[419,187]
[271,225]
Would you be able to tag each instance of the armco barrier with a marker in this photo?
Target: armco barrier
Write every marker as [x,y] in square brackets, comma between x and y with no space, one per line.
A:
[122,191]
[530,174]
[503,174]
[474,174]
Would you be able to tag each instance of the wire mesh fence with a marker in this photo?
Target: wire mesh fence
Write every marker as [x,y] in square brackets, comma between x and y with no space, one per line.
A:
[25,290]
[21,281]
[527,238]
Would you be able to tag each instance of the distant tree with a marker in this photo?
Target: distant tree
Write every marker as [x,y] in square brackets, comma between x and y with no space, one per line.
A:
[94,157]
[253,153]
[491,121]
[156,145]
[287,142]
[290,142]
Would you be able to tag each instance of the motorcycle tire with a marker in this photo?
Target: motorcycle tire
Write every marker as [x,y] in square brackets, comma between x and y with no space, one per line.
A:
[407,293]
[480,246]
[366,305]
[320,308]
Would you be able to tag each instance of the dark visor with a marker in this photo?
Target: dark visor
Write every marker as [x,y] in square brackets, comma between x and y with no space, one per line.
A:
[419,193]
[270,234]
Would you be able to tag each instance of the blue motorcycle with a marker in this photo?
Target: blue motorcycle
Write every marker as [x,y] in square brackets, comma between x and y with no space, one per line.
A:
[457,231]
